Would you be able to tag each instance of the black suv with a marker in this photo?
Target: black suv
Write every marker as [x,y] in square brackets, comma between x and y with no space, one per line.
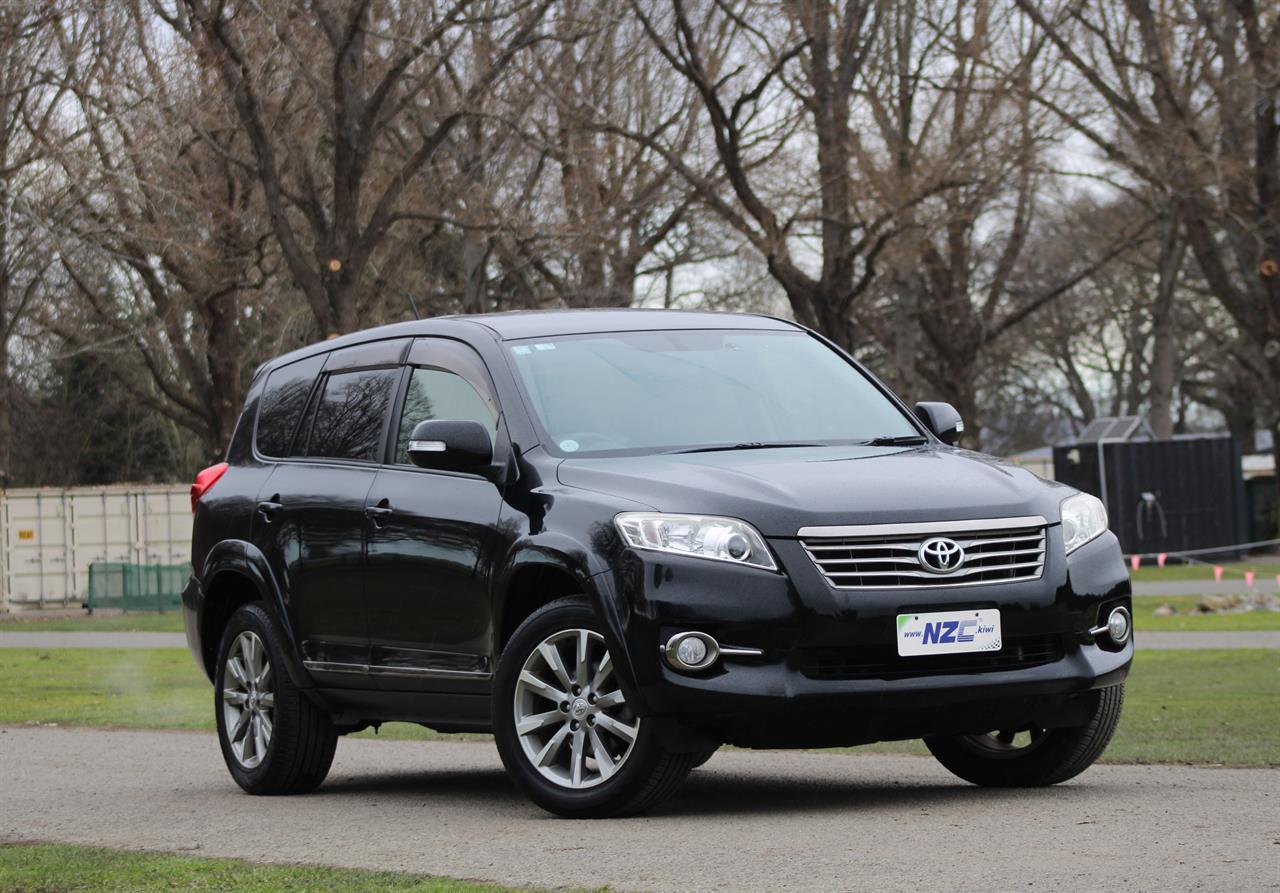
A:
[619,539]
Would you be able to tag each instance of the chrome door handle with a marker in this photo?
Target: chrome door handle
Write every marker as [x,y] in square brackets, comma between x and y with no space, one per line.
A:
[268,509]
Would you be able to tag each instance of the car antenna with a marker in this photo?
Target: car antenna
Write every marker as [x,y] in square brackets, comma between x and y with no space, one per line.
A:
[413,305]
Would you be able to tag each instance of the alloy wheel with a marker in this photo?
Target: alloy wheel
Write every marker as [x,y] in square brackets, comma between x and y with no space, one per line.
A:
[571,718]
[248,700]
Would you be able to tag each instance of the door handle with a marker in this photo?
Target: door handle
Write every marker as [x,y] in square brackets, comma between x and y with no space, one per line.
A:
[269,508]
[376,513]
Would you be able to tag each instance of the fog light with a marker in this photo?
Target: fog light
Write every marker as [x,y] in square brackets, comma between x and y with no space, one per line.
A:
[690,652]
[1118,626]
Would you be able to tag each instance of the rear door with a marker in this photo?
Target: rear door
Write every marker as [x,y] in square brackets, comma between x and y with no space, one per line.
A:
[432,536]
[311,512]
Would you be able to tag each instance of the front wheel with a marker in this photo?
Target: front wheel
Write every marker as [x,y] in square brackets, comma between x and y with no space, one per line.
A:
[563,727]
[1032,756]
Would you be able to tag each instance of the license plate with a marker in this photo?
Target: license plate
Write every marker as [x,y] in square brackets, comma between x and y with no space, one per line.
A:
[948,632]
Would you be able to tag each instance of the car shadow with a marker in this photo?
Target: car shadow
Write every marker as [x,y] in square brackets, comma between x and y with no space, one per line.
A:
[711,792]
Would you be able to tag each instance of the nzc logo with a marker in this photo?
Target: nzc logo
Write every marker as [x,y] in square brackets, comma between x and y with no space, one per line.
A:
[949,632]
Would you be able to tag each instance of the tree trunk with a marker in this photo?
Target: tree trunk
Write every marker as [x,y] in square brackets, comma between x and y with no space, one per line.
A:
[225,362]
[1164,346]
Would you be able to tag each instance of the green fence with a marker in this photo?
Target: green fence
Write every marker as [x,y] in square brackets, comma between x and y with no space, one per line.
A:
[136,587]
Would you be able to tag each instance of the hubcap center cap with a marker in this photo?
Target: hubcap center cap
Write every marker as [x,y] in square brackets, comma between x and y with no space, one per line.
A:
[579,708]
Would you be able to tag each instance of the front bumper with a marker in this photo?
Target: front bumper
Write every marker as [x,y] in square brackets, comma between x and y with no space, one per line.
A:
[829,673]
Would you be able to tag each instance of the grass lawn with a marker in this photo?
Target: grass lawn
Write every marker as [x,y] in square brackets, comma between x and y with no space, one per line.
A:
[1144,619]
[55,868]
[1265,567]
[1181,706]
[134,623]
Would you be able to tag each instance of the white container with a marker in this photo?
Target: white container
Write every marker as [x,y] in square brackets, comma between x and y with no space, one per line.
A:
[49,537]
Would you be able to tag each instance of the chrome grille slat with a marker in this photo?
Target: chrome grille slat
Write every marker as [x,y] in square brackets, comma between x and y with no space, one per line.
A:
[998,553]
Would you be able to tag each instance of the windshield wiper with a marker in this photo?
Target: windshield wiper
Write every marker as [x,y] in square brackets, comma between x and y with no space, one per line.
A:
[897,440]
[751,445]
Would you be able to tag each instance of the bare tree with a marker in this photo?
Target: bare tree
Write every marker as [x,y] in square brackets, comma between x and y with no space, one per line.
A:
[27,105]
[620,211]
[167,238]
[776,82]
[1193,91]
[344,106]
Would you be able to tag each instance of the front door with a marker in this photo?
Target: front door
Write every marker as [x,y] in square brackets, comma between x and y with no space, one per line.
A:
[431,536]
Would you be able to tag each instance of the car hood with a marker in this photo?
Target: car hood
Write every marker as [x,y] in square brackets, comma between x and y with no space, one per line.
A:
[781,490]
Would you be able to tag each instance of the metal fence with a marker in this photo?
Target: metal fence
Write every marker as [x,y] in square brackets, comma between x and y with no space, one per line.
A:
[50,537]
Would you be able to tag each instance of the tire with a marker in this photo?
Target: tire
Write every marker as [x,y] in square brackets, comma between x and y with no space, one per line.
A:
[299,739]
[636,772]
[1050,757]
[700,759]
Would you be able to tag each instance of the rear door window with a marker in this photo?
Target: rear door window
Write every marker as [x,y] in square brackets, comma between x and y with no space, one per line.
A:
[351,414]
[284,399]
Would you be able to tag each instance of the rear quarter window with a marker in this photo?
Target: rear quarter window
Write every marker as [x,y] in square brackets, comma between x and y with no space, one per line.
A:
[284,400]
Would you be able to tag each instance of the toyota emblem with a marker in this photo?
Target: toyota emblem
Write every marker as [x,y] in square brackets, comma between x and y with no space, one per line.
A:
[940,555]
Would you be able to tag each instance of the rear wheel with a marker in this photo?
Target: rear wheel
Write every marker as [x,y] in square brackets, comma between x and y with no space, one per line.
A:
[700,759]
[1031,756]
[274,740]
[563,726]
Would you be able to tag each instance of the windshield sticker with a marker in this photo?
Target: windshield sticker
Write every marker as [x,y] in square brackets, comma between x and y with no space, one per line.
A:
[544,346]
[521,349]
[569,446]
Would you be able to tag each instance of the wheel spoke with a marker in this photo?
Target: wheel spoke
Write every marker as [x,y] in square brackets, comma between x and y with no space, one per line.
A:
[610,699]
[603,672]
[546,689]
[259,735]
[539,721]
[267,727]
[551,654]
[268,700]
[604,759]
[234,696]
[584,664]
[547,755]
[264,678]
[621,729]
[252,659]
[242,723]
[246,743]
[236,669]
[578,756]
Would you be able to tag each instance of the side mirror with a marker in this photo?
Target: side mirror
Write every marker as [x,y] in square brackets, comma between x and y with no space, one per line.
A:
[942,419]
[450,446]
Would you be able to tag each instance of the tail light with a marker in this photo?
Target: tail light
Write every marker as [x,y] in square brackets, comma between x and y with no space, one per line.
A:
[205,480]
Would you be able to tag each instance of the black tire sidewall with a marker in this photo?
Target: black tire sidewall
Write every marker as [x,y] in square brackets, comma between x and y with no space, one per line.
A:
[605,798]
[1065,753]
[254,617]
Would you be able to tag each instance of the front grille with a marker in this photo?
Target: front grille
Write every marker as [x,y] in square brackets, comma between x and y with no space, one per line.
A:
[887,556]
[883,662]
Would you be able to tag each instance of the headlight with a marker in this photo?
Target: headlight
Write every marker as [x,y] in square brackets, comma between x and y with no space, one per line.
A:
[725,539]
[1083,518]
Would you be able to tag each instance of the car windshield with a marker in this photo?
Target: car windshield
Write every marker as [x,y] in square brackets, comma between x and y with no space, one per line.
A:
[694,390]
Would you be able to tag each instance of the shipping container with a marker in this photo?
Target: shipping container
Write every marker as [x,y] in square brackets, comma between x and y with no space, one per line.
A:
[49,537]
[1171,495]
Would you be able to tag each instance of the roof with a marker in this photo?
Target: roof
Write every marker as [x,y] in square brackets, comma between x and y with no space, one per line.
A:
[517,324]
[547,323]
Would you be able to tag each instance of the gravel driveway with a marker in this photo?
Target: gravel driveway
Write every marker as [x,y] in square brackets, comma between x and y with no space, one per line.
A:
[747,821]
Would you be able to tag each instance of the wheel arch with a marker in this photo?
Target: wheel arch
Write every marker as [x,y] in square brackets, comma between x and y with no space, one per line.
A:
[237,573]
[537,575]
